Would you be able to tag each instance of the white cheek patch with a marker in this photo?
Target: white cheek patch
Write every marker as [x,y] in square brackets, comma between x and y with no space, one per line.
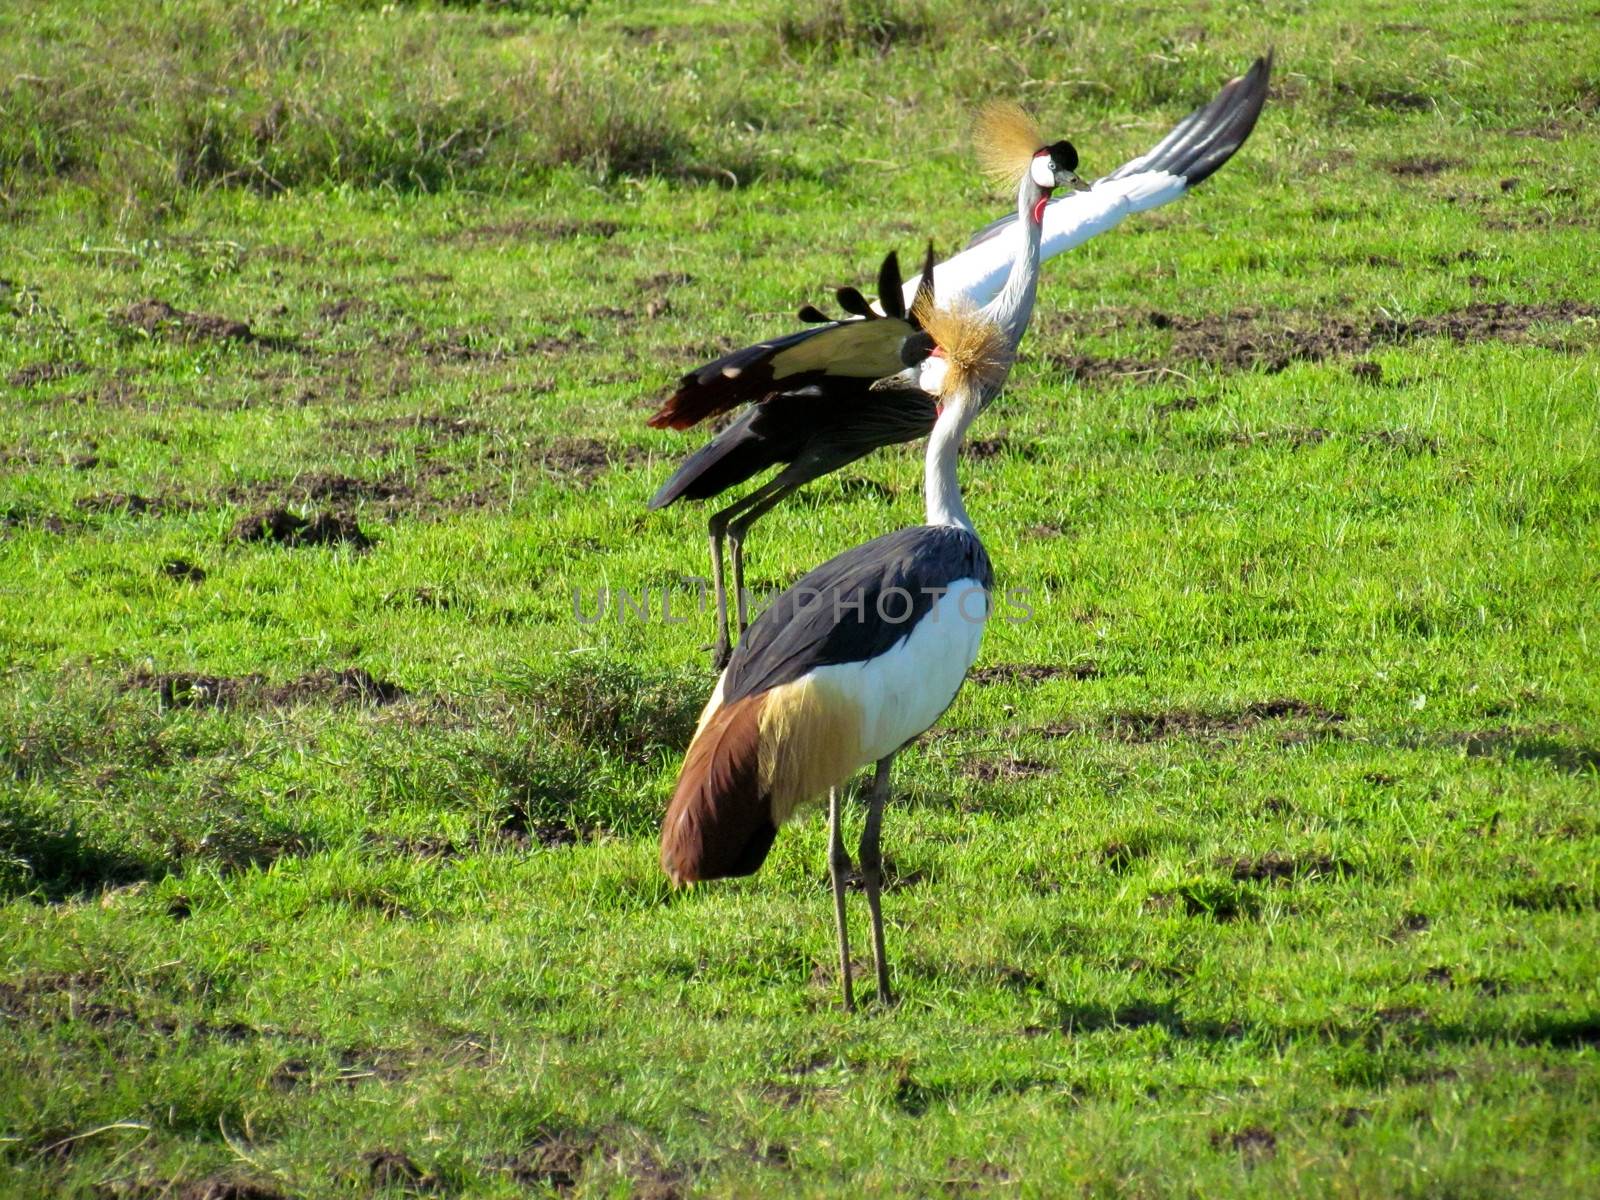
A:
[1043,171]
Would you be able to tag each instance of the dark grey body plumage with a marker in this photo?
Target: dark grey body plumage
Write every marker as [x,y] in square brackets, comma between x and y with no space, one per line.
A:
[832,614]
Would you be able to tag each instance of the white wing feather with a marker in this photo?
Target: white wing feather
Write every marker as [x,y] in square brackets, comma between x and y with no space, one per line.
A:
[977,274]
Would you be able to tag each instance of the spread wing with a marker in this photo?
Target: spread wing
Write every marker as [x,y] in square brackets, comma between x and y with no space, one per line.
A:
[1192,152]
[848,355]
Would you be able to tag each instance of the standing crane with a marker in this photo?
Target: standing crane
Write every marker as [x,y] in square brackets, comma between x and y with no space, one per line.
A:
[848,666]
[823,399]
[815,403]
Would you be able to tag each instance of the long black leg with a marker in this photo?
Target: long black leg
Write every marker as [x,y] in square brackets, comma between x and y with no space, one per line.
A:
[718,528]
[722,525]
[838,871]
[763,501]
[872,873]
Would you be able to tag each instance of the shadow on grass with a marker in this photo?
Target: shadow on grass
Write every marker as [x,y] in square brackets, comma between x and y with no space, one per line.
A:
[58,862]
[1406,1026]
[1523,747]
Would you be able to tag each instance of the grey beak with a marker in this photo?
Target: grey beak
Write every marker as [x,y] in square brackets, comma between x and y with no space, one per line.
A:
[1074,183]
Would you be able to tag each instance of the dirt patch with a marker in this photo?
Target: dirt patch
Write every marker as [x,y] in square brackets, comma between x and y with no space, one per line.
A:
[291,529]
[472,344]
[1195,723]
[37,373]
[894,879]
[1000,770]
[342,310]
[1283,868]
[532,230]
[215,1187]
[395,1169]
[966,1177]
[183,571]
[351,685]
[1420,168]
[663,281]
[1181,404]
[652,1178]
[1254,1143]
[160,319]
[525,829]
[1394,99]
[1406,441]
[1411,923]
[56,999]
[581,459]
[363,1066]
[223,1188]
[132,504]
[334,488]
[1246,339]
[551,1159]
[1033,672]
[448,428]
[1294,437]
[994,447]
[16,516]
[1205,898]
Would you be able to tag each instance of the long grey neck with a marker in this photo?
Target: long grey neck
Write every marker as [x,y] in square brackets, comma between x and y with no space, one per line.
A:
[941,488]
[1013,307]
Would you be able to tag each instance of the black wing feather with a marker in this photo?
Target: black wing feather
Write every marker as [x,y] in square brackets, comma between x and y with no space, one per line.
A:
[891,291]
[804,628]
[1196,146]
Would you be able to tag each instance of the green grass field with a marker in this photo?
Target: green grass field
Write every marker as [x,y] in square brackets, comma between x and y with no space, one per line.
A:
[1262,860]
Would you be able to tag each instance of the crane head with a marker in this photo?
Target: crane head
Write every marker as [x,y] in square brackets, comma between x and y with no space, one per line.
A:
[1056,166]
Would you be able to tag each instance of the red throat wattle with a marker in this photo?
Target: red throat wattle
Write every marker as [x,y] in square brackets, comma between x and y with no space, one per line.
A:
[1038,207]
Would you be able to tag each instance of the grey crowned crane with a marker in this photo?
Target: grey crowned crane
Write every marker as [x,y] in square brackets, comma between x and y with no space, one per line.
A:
[809,415]
[827,396]
[845,668]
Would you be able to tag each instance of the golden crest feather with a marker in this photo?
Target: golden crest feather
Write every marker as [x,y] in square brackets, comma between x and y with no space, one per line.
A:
[1006,138]
[973,345]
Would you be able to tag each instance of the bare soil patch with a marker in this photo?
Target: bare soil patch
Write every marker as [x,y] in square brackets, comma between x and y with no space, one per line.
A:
[160,319]
[1246,339]
[395,1169]
[446,427]
[349,685]
[551,1159]
[184,571]
[21,516]
[132,503]
[524,829]
[288,528]
[1283,868]
[1154,726]
[1000,770]
[532,230]
[1254,1143]
[582,459]
[982,449]
[37,373]
[339,311]
[1033,672]
[1421,167]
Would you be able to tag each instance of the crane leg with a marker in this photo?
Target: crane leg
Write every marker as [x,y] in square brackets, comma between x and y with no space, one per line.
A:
[760,503]
[730,523]
[723,649]
[872,873]
[838,869]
